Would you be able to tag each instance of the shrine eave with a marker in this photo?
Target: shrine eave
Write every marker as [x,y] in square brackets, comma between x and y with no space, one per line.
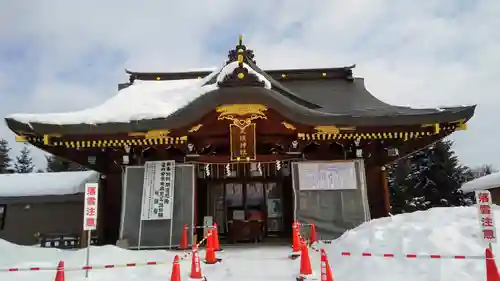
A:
[194,111]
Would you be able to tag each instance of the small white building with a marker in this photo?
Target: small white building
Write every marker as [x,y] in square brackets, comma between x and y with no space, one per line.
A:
[36,204]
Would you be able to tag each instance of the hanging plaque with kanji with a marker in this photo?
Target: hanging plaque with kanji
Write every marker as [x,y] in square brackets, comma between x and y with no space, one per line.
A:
[242,142]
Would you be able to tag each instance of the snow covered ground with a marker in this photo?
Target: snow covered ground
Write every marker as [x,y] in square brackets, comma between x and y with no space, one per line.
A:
[446,231]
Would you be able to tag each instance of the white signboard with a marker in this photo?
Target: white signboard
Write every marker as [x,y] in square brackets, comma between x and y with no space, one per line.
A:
[158,190]
[486,218]
[90,207]
[208,222]
[327,176]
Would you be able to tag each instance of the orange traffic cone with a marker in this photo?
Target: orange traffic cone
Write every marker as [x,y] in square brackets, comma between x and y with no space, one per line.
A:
[326,271]
[176,270]
[210,241]
[184,238]
[295,241]
[210,257]
[294,229]
[491,267]
[305,261]
[60,272]
[215,240]
[195,264]
[313,236]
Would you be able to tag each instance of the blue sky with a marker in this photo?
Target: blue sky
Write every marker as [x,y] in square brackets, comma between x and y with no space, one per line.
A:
[63,56]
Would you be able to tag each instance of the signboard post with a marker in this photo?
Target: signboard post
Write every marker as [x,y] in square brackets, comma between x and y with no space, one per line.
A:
[90,216]
[486,217]
[158,193]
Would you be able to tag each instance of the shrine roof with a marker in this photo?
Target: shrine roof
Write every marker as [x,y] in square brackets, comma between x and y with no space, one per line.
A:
[326,96]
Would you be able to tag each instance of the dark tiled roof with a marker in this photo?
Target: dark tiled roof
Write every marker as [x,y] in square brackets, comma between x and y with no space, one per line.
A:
[328,96]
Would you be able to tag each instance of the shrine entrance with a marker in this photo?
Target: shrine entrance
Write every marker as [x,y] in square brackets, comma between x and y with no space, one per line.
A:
[250,202]
[246,211]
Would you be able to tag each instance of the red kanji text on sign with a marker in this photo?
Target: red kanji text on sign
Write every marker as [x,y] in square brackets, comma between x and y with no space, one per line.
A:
[484,209]
[90,222]
[92,191]
[488,234]
[484,197]
[91,201]
[91,212]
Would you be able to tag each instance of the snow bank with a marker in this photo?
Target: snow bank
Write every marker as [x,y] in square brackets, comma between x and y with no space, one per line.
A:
[141,101]
[438,231]
[482,183]
[446,231]
[39,184]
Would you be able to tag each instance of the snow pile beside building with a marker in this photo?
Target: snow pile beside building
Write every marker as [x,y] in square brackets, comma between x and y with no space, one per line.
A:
[437,231]
[41,184]
[445,231]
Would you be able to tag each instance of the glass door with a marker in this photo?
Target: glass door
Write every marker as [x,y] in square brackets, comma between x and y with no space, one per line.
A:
[235,201]
[255,201]
[274,208]
[216,206]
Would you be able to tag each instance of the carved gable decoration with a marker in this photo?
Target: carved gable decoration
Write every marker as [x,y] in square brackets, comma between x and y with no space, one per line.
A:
[240,49]
[241,75]
[242,115]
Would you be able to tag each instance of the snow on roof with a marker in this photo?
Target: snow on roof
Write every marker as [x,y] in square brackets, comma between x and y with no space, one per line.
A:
[141,100]
[482,183]
[228,69]
[198,69]
[40,184]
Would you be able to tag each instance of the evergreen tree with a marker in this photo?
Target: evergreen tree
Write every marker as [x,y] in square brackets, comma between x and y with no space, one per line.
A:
[400,183]
[429,178]
[58,164]
[24,162]
[5,160]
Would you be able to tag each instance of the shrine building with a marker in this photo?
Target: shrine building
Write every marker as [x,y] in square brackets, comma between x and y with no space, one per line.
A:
[250,149]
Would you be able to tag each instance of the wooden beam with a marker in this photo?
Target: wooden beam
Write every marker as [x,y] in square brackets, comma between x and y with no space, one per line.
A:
[80,157]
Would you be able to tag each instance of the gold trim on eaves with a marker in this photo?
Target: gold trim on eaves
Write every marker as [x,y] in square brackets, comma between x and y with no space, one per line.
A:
[106,143]
[369,136]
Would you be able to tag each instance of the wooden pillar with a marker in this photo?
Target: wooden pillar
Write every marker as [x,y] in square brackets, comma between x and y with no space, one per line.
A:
[110,208]
[386,192]
[101,211]
[378,193]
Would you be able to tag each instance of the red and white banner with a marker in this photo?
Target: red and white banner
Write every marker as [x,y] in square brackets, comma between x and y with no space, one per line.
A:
[90,206]
[486,217]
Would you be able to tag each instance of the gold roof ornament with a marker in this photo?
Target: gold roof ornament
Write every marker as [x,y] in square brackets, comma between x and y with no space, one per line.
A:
[241,110]
[288,126]
[195,128]
[327,130]
[157,134]
[242,115]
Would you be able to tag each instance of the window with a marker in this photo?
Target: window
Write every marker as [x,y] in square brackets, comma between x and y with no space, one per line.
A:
[3,209]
